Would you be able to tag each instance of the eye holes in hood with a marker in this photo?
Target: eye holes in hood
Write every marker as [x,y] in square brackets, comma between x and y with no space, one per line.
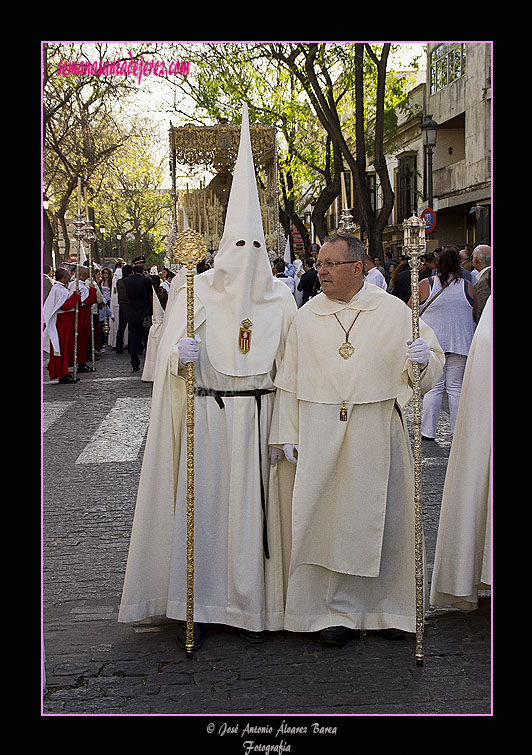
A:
[243,243]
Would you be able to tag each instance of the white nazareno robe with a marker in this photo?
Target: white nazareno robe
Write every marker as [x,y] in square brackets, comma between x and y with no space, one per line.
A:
[462,561]
[353,553]
[234,583]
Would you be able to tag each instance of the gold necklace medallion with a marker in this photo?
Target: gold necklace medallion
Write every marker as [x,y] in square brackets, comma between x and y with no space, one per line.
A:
[347,349]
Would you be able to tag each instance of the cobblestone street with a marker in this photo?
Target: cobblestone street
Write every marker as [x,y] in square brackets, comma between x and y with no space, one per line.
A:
[96,666]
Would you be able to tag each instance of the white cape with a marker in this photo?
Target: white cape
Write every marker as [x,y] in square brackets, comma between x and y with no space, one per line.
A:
[54,301]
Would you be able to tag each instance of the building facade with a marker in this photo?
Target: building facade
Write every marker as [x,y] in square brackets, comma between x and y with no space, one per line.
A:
[457,95]
[455,89]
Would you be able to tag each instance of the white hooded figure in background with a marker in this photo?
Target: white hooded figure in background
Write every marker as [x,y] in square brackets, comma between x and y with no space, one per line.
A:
[242,316]
[154,337]
[115,309]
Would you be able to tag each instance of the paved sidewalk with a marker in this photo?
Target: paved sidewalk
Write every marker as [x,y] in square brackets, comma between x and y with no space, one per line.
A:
[96,666]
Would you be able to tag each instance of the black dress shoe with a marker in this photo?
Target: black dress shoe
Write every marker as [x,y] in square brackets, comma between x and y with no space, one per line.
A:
[391,634]
[136,369]
[68,379]
[199,635]
[338,636]
[83,368]
[254,637]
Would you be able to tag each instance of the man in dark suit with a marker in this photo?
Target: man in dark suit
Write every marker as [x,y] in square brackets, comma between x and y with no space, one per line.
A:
[308,283]
[139,288]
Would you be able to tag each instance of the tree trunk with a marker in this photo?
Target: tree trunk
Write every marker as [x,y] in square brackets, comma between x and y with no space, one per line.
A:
[48,239]
[96,257]
[324,201]
[327,113]
[62,222]
[290,215]
[388,197]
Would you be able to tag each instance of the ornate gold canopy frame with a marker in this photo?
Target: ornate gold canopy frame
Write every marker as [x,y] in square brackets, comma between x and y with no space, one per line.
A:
[216,148]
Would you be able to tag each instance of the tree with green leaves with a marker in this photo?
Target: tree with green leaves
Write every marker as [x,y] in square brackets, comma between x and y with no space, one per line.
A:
[313,65]
[321,96]
[225,75]
[131,197]
[81,127]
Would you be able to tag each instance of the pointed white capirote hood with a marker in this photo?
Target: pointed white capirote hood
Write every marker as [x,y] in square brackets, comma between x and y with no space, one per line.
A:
[242,260]
[241,287]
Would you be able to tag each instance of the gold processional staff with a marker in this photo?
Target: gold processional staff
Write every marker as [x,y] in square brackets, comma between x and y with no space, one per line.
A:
[189,250]
[413,244]
[90,237]
[79,222]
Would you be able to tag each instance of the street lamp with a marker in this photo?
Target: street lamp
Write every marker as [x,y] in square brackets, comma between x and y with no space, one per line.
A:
[102,232]
[429,129]
[119,239]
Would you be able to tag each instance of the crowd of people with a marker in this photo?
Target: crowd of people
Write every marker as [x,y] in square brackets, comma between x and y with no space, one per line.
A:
[123,316]
[116,310]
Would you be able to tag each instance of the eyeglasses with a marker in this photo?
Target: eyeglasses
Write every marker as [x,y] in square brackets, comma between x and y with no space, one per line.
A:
[326,265]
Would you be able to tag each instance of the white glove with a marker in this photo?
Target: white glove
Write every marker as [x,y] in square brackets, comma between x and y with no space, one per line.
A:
[188,349]
[418,351]
[290,452]
[276,454]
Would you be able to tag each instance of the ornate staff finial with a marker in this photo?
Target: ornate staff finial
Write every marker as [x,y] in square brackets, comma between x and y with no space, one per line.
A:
[346,226]
[189,248]
[414,235]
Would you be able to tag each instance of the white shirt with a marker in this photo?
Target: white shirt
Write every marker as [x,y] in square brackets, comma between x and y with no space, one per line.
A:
[289,282]
[376,277]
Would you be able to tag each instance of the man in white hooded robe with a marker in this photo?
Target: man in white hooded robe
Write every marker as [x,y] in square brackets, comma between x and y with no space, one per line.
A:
[344,379]
[242,316]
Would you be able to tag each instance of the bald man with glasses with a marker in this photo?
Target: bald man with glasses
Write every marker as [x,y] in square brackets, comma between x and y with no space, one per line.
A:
[341,387]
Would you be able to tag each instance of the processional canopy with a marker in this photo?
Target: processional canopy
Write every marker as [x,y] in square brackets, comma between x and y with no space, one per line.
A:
[216,148]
